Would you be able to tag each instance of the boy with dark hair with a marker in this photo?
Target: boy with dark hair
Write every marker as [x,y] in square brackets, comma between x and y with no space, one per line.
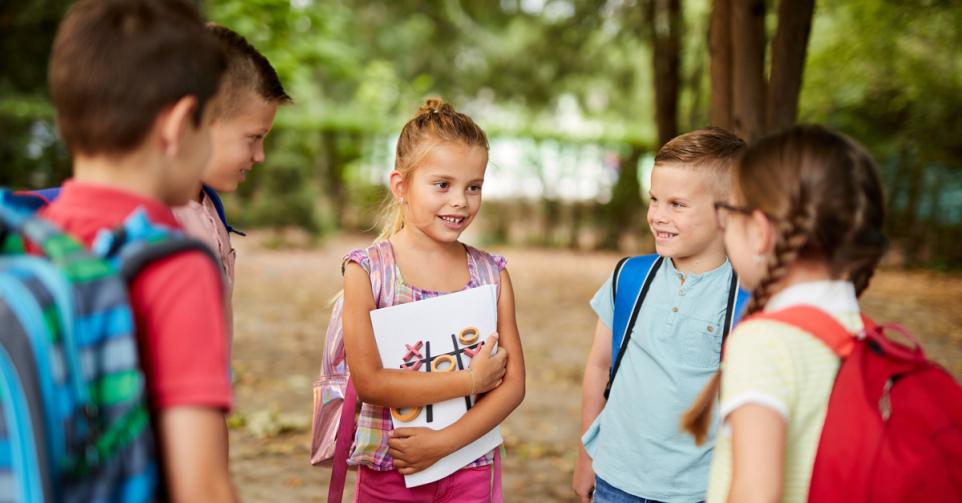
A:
[661,322]
[247,104]
[132,82]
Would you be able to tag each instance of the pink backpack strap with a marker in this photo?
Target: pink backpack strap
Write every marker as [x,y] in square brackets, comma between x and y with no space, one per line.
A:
[486,267]
[380,266]
[818,323]
[382,271]
[345,431]
[497,494]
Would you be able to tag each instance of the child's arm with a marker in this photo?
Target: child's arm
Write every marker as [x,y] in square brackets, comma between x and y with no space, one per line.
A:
[758,450]
[193,447]
[592,401]
[415,449]
[398,388]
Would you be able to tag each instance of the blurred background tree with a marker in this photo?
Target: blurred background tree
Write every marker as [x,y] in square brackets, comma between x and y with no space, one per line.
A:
[576,95]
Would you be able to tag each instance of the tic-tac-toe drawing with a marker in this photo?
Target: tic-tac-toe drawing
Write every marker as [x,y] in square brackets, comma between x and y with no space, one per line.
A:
[441,334]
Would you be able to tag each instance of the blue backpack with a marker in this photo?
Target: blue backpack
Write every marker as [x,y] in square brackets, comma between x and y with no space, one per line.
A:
[74,423]
[629,286]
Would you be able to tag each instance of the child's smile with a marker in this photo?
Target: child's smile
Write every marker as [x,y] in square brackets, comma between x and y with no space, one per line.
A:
[664,236]
[453,222]
[681,217]
[443,195]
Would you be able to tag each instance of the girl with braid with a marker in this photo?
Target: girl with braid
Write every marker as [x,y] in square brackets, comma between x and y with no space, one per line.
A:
[803,225]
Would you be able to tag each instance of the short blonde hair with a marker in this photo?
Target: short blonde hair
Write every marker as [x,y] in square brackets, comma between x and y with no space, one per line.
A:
[711,150]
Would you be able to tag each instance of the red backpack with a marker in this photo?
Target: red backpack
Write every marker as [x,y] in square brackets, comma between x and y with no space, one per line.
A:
[893,431]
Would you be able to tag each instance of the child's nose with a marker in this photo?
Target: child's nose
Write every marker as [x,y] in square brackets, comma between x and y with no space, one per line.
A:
[658,214]
[459,200]
[258,154]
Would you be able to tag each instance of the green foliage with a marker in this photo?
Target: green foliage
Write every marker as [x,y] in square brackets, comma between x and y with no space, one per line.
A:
[556,72]
[889,73]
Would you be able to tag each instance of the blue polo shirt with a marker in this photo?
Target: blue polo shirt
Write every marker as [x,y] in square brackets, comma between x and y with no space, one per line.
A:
[636,443]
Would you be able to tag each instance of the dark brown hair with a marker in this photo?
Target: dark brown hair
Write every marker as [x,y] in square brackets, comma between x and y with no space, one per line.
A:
[247,69]
[436,122]
[116,64]
[711,149]
[822,192]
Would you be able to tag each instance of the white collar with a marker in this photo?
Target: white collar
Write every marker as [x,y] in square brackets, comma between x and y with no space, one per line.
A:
[833,297]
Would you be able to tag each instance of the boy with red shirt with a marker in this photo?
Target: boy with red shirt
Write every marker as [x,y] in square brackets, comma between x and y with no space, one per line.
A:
[132,81]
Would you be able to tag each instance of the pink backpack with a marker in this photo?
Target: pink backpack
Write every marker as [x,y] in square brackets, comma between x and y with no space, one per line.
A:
[332,384]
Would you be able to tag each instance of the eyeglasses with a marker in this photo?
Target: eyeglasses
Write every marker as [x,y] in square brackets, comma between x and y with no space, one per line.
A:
[723,209]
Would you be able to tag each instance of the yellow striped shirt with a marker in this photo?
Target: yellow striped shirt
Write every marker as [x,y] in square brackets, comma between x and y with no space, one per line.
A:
[789,370]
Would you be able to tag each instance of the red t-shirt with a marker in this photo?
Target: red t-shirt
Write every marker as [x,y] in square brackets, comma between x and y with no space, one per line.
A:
[178,302]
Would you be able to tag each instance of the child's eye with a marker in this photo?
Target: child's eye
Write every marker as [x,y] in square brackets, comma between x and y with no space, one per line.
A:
[442,185]
[475,188]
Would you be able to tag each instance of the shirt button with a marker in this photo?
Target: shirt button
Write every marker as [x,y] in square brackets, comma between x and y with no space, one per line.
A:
[674,309]
[681,292]
[711,328]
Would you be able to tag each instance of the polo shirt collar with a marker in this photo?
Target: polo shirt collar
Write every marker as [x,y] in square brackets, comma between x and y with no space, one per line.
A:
[692,278]
[833,297]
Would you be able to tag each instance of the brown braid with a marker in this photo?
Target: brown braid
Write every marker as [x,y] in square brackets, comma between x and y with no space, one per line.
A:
[865,243]
[793,236]
[822,192]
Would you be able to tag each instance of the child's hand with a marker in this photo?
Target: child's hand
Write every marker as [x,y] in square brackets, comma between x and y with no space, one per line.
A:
[583,481]
[415,449]
[489,370]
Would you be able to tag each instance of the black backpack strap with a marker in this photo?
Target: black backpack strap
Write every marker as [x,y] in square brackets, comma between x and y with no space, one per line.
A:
[614,277]
[631,321]
[730,306]
[135,258]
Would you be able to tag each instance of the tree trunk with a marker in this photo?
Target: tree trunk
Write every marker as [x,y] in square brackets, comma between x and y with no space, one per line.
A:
[665,19]
[788,62]
[720,51]
[748,57]
[625,212]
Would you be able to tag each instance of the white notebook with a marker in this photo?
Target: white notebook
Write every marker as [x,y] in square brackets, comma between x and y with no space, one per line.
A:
[436,335]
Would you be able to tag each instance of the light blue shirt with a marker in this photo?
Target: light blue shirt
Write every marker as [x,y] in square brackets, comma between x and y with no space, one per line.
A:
[636,443]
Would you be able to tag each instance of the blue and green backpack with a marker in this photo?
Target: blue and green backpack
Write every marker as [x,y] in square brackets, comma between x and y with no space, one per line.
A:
[74,423]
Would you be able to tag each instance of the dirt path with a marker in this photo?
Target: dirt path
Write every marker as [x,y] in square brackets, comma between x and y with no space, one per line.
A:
[282,308]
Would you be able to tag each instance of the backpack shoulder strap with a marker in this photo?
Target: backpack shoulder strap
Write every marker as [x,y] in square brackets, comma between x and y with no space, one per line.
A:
[138,243]
[818,323]
[738,299]
[219,207]
[382,266]
[630,282]
[485,268]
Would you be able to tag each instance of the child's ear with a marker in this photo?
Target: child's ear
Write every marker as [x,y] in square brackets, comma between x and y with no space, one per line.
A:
[762,233]
[173,122]
[398,186]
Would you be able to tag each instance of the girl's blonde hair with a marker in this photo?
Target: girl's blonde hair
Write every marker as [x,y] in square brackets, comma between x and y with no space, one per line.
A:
[822,192]
[435,123]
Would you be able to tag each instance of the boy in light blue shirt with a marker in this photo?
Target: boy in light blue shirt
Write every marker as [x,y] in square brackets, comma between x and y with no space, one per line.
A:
[634,449]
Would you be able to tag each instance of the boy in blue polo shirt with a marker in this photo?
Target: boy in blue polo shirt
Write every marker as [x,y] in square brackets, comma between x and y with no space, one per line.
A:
[667,340]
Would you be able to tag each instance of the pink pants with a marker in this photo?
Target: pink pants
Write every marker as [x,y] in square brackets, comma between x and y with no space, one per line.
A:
[468,485]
